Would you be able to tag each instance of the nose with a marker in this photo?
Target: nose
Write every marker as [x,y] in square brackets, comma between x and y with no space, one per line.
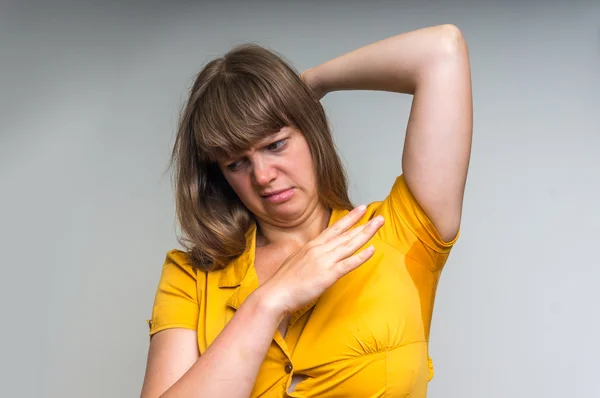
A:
[263,171]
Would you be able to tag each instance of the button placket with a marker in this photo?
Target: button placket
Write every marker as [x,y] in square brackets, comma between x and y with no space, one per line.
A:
[288,368]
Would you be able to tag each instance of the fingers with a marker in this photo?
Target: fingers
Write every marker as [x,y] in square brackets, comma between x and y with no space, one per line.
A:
[342,225]
[348,264]
[342,239]
[355,241]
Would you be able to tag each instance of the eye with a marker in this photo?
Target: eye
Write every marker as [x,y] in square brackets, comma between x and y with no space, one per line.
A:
[235,165]
[277,145]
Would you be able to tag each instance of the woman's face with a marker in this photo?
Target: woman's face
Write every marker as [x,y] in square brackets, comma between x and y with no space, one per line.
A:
[275,179]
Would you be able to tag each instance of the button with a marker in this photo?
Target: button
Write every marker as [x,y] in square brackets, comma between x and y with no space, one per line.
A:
[288,368]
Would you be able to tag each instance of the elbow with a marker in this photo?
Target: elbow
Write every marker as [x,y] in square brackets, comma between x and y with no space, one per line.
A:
[452,41]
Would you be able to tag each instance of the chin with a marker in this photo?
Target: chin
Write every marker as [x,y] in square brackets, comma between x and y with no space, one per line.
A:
[288,211]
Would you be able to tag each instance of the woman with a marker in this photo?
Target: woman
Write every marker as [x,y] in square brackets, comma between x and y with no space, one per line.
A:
[285,289]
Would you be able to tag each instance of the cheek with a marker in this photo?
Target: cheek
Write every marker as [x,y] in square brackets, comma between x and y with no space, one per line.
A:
[237,184]
[240,186]
[304,171]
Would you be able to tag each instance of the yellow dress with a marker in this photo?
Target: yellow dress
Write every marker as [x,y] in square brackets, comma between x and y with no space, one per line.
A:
[366,336]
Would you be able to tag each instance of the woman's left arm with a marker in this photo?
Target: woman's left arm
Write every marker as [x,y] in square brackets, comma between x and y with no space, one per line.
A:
[432,64]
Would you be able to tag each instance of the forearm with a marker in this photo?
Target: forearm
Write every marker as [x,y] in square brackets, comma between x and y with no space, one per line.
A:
[396,64]
[231,363]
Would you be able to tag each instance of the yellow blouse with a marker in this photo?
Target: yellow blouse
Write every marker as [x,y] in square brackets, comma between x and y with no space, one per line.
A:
[366,336]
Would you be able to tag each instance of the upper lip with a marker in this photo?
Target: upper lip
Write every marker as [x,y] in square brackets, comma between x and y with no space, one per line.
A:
[269,193]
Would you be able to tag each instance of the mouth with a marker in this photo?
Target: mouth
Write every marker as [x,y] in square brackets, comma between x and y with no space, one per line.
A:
[279,196]
[271,193]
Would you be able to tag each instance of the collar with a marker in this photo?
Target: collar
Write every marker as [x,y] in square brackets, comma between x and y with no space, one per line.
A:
[233,274]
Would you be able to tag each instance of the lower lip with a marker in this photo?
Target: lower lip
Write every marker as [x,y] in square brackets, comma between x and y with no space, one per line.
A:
[280,197]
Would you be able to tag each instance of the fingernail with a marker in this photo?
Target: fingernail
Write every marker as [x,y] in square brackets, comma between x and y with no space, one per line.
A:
[362,207]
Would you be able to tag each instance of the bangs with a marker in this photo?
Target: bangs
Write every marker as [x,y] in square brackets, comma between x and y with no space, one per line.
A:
[236,112]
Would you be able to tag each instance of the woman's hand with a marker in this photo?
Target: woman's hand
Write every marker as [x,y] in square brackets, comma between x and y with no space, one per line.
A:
[309,77]
[305,275]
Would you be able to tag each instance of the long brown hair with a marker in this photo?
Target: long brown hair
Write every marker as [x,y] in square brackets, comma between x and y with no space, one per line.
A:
[236,101]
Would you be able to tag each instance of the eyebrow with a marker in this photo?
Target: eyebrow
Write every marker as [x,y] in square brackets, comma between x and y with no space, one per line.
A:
[272,137]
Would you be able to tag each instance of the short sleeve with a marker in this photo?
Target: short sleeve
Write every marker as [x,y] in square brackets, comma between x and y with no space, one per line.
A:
[408,228]
[176,302]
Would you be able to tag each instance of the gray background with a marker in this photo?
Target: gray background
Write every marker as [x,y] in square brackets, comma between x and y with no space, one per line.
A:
[90,93]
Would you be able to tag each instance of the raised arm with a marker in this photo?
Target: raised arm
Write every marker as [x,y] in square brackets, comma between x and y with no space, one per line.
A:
[433,65]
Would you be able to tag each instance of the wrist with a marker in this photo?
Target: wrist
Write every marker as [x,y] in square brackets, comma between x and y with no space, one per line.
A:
[316,84]
[269,303]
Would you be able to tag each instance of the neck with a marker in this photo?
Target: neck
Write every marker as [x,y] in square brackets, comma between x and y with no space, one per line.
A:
[298,235]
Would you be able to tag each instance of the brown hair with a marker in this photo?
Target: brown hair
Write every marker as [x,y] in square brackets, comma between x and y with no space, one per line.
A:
[235,101]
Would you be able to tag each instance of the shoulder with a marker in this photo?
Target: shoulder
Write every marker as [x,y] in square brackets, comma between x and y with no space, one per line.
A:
[178,266]
[408,228]
[181,259]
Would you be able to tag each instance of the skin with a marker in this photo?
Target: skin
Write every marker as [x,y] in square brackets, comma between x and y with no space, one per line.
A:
[437,145]
[432,64]
[282,161]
